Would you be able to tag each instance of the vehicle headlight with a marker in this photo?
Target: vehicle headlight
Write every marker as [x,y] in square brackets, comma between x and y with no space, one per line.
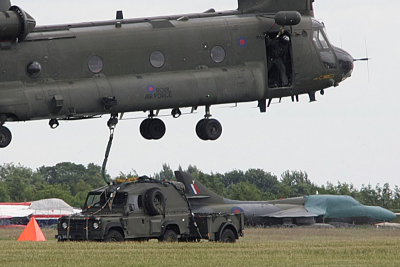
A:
[64,225]
[96,225]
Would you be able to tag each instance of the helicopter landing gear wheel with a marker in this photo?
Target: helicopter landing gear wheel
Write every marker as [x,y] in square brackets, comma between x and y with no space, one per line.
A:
[157,129]
[209,129]
[152,129]
[144,129]
[213,129]
[5,136]
[200,130]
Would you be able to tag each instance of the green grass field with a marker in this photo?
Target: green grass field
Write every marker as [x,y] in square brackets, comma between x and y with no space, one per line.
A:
[259,247]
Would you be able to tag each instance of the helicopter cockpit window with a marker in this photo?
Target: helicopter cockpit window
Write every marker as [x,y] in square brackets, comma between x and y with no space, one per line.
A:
[325,52]
[323,41]
[328,59]
[316,40]
[320,40]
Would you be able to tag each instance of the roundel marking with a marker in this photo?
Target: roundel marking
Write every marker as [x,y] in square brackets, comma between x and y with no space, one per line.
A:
[150,88]
[242,42]
[237,210]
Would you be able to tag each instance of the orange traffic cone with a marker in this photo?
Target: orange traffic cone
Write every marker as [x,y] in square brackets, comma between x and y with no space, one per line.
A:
[32,232]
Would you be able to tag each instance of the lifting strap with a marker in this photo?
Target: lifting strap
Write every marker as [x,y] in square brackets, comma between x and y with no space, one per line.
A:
[103,168]
[192,219]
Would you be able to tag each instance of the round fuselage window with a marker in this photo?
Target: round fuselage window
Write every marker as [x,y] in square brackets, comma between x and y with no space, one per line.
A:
[34,69]
[157,59]
[95,64]
[218,54]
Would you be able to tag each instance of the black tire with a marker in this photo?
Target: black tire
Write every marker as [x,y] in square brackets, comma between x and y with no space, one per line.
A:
[156,129]
[5,137]
[144,129]
[228,236]
[114,236]
[169,236]
[212,129]
[154,202]
[200,130]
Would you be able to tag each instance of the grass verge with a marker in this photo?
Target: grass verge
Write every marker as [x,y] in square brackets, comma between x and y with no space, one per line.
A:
[259,247]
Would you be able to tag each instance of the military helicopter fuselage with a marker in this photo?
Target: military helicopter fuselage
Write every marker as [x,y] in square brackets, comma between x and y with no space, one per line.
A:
[83,70]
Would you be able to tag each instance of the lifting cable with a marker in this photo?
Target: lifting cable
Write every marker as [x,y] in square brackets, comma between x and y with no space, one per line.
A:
[111,126]
[192,217]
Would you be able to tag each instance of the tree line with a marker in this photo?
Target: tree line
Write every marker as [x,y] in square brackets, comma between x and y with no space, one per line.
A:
[71,182]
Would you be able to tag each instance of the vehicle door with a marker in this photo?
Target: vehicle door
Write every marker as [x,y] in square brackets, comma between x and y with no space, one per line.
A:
[138,222]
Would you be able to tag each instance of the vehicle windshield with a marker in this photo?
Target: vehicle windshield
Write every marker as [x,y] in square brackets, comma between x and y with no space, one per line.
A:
[100,199]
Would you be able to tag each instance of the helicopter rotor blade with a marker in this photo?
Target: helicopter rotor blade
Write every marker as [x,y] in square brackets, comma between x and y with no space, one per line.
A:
[367,59]
[366,53]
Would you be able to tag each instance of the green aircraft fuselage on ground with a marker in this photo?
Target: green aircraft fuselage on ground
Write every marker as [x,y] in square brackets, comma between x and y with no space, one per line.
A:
[307,210]
[255,53]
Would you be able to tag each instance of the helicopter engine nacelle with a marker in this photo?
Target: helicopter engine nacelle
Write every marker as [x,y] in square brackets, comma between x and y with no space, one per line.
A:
[15,24]
[287,18]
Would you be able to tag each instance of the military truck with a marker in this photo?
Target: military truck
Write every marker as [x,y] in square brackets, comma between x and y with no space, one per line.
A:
[145,209]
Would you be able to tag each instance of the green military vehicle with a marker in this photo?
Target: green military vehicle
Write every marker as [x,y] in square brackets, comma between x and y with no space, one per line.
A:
[146,209]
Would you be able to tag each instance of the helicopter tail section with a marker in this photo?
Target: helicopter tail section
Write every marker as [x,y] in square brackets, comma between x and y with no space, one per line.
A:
[305,7]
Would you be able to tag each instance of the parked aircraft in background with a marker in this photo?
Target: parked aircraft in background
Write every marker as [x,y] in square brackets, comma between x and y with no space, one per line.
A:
[46,212]
[305,210]
[263,50]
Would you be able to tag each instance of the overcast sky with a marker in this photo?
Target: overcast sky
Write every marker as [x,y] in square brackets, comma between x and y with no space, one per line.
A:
[351,134]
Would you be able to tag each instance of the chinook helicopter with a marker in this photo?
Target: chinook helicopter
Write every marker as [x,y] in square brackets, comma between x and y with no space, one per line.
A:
[263,50]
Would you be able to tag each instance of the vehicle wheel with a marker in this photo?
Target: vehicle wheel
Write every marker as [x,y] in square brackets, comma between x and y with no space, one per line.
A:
[156,129]
[114,236]
[228,236]
[212,129]
[144,129]
[200,130]
[169,236]
[154,202]
[5,137]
